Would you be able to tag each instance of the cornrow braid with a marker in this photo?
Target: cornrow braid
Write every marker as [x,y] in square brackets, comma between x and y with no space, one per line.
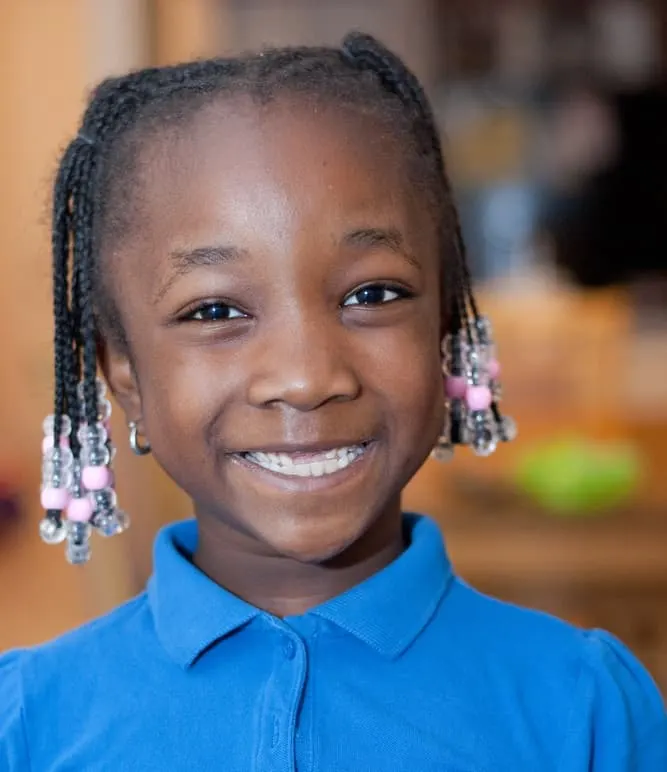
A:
[368,53]
[465,321]
[91,209]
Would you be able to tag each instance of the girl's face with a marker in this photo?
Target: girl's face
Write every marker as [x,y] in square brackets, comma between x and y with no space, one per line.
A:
[280,296]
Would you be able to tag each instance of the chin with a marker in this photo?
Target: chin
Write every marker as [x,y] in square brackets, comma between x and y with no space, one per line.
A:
[315,541]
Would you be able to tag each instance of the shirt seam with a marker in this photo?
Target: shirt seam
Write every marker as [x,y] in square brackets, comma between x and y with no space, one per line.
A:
[571,716]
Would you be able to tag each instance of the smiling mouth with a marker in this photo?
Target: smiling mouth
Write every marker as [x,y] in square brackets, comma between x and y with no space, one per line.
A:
[307,464]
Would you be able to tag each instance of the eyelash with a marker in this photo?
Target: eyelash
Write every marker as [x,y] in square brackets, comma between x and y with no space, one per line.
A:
[400,293]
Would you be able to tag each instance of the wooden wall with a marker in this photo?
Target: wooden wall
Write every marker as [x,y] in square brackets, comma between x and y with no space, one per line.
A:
[50,54]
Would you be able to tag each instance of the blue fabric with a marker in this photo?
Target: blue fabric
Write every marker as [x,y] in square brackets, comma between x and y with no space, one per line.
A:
[411,671]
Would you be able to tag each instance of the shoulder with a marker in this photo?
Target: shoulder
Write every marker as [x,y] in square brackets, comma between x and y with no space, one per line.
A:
[628,722]
[38,683]
[607,703]
[520,635]
[125,623]
[106,644]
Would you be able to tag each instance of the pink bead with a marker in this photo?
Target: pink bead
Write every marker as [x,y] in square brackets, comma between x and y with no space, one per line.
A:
[456,386]
[493,369]
[80,510]
[94,478]
[55,498]
[478,397]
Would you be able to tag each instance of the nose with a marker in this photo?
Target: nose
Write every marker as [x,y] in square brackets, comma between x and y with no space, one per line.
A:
[303,366]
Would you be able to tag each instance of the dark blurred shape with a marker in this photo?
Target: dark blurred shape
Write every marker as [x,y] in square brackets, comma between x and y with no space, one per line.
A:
[611,228]
[10,507]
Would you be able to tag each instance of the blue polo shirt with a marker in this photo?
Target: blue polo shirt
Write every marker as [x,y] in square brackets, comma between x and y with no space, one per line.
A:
[410,671]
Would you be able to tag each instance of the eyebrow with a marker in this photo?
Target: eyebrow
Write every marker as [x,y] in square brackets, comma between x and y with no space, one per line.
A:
[388,238]
[185,260]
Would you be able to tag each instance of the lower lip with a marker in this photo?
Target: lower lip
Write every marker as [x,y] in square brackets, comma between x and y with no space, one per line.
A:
[306,484]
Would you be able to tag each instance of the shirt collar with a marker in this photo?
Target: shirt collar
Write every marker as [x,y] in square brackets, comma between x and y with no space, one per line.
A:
[191,611]
[391,608]
[387,611]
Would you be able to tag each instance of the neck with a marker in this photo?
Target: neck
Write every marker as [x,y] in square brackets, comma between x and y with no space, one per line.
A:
[285,586]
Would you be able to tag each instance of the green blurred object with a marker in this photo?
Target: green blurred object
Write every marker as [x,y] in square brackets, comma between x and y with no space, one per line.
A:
[577,477]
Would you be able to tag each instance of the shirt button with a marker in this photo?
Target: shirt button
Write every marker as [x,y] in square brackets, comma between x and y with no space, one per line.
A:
[289,649]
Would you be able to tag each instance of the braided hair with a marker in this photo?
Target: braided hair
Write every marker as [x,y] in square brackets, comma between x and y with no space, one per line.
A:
[90,203]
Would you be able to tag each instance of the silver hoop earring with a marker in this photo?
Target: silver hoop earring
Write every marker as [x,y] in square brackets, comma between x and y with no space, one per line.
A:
[138,448]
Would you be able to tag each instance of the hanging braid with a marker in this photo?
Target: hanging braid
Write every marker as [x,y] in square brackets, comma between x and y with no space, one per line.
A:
[368,53]
[96,171]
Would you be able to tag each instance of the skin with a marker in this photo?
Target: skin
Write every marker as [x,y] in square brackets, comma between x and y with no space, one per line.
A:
[302,364]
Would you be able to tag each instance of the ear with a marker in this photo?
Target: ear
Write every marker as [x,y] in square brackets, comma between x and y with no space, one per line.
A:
[119,373]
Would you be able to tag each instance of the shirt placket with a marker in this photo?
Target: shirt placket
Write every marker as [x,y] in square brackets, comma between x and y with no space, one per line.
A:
[280,719]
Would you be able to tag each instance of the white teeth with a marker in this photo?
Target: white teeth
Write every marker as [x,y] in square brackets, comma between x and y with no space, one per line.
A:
[325,463]
[330,466]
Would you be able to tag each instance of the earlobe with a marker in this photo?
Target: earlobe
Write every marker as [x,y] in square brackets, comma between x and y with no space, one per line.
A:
[119,373]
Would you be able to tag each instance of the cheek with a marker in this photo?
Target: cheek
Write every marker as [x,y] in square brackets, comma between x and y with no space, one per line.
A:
[182,390]
[406,372]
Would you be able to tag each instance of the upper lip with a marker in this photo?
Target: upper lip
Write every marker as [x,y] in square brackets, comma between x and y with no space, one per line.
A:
[305,447]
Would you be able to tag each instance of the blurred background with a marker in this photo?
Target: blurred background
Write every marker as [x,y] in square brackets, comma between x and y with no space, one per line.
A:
[554,117]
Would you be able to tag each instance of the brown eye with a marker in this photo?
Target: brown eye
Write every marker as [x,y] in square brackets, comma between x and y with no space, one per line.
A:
[215,312]
[375,295]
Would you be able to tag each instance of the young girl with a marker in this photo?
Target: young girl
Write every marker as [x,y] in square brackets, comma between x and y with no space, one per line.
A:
[263,256]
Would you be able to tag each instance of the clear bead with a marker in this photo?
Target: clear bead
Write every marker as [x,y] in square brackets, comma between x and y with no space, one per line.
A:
[486,353]
[484,329]
[51,532]
[103,410]
[92,435]
[477,362]
[496,391]
[56,478]
[106,525]
[57,468]
[98,456]
[47,425]
[484,441]
[75,487]
[57,475]
[113,524]
[443,452]
[59,457]
[65,426]
[78,554]
[508,429]
[78,532]
[105,499]
[78,542]
[84,456]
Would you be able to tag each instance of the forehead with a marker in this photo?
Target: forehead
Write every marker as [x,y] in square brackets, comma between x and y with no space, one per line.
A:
[283,182]
[267,175]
